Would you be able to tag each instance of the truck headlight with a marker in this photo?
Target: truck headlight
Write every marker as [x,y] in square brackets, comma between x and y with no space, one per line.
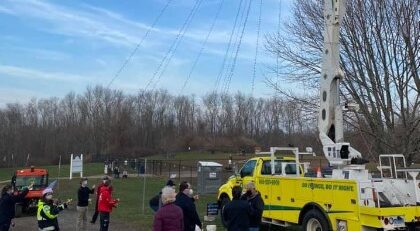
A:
[341,225]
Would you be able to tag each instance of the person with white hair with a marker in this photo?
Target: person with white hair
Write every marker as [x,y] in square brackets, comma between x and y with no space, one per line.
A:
[256,206]
[169,217]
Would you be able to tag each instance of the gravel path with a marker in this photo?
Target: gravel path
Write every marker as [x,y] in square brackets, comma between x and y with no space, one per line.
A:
[67,222]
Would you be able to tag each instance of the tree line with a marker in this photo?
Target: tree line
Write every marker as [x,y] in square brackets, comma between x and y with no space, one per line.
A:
[102,121]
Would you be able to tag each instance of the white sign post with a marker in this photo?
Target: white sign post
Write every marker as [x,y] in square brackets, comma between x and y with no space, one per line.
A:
[76,165]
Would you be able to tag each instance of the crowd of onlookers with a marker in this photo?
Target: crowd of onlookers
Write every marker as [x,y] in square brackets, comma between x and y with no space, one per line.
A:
[173,211]
[177,212]
[48,207]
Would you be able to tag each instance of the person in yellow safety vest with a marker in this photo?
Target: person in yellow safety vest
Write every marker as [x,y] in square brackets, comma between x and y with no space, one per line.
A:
[48,210]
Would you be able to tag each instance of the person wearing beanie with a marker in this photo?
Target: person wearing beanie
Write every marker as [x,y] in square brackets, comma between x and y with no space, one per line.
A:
[48,210]
[82,203]
[184,199]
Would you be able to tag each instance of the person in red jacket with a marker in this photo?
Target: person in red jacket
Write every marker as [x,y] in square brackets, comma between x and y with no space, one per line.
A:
[95,215]
[105,205]
[169,217]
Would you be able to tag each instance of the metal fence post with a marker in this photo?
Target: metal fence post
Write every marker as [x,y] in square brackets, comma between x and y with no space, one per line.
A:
[179,170]
[191,173]
[144,182]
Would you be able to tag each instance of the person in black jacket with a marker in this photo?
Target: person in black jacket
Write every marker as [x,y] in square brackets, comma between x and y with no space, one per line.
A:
[256,206]
[236,213]
[186,202]
[7,205]
[82,203]
[155,203]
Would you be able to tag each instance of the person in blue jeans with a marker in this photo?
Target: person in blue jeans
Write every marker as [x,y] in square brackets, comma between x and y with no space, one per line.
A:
[256,206]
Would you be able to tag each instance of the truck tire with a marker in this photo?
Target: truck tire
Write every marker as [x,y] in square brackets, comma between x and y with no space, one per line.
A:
[224,201]
[18,210]
[314,221]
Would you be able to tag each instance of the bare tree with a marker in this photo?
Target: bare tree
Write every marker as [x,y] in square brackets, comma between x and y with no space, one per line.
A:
[380,57]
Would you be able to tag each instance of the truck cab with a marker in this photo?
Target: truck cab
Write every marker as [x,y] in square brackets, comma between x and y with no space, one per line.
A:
[255,169]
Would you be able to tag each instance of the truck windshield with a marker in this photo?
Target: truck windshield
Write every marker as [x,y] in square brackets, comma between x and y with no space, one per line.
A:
[22,181]
[289,169]
[248,168]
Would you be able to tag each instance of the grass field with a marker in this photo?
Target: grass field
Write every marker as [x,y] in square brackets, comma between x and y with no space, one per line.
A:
[129,191]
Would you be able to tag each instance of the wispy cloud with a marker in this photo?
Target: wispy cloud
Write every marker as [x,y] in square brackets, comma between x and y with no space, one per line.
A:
[88,23]
[96,40]
[14,95]
[4,10]
[27,73]
[101,24]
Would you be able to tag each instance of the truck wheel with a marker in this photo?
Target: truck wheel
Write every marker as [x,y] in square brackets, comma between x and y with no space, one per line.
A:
[224,201]
[18,210]
[314,221]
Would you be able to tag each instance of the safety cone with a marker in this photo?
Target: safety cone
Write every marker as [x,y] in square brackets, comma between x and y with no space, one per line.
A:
[318,173]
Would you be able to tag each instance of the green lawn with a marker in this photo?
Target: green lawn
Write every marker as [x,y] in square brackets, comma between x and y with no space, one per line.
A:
[129,191]
[130,208]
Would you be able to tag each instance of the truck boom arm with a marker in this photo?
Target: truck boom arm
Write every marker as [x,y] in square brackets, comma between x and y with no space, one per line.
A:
[330,121]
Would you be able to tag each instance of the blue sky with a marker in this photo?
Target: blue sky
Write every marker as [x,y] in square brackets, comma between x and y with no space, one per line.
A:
[49,48]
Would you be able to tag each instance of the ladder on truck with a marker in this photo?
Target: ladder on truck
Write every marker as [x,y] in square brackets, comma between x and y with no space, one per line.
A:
[392,164]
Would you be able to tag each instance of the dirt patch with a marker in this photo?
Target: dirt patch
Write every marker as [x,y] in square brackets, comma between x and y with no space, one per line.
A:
[67,222]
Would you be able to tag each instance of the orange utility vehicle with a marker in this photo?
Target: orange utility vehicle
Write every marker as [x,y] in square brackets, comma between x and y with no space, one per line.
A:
[24,177]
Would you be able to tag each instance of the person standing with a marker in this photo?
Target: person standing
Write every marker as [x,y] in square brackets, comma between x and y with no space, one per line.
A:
[125,174]
[256,206]
[155,203]
[98,190]
[105,205]
[236,213]
[82,203]
[169,217]
[184,199]
[48,211]
[7,205]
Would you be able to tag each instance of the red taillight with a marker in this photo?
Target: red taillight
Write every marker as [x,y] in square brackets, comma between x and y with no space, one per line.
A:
[386,221]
